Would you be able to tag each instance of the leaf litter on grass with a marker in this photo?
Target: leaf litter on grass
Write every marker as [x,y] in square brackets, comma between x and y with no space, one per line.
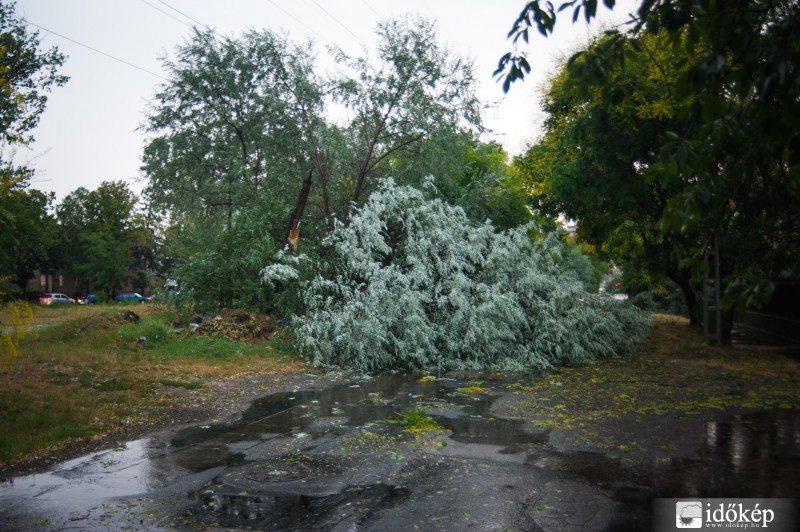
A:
[237,325]
[672,376]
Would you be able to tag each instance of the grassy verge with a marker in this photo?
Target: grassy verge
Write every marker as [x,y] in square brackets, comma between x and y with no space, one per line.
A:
[88,371]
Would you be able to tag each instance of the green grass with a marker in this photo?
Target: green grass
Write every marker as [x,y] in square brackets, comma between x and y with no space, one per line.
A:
[87,373]
[39,424]
[193,385]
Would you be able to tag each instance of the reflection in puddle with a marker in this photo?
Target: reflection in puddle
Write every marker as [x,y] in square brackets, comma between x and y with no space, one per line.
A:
[752,455]
[81,482]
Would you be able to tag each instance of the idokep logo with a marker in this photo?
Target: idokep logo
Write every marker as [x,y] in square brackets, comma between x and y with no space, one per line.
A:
[689,514]
[772,514]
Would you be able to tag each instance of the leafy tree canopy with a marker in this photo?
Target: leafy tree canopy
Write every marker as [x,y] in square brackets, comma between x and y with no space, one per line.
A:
[26,74]
[730,155]
[415,89]
[27,229]
[103,239]
[592,162]
[243,150]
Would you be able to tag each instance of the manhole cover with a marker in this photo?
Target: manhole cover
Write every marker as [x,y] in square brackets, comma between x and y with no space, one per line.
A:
[277,471]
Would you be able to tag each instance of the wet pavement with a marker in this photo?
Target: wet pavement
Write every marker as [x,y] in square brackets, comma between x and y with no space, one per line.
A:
[337,457]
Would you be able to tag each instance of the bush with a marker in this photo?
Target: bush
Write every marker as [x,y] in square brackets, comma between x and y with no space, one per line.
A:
[413,285]
[661,301]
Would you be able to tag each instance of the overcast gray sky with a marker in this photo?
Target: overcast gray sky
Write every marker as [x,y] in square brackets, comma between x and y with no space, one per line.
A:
[88,132]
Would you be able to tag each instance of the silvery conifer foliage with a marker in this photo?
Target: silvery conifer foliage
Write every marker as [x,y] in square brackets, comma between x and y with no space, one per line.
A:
[413,285]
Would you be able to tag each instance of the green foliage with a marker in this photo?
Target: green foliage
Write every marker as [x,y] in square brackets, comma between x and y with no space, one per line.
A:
[28,233]
[414,285]
[26,74]
[221,268]
[601,179]
[234,106]
[241,123]
[725,155]
[104,241]
[486,187]
[240,107]
[418,421]
[661,301]
[414,92]
[154,330]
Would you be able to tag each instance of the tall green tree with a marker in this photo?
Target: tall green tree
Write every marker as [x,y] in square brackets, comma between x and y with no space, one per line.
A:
[592,162]
[733,154]
[27,230]
[27,74]
[244,149]
[101,235]
[233,137]
[414,91]
[227,126]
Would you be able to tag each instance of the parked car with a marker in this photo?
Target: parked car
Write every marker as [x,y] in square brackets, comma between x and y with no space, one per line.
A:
[133,296]
[54,298]
[88,300]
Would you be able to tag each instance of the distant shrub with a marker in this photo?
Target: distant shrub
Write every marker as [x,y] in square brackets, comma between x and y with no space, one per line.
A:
[413,285]
[661,301]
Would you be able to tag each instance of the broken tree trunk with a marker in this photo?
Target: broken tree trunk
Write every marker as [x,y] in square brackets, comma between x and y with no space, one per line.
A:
[294,224]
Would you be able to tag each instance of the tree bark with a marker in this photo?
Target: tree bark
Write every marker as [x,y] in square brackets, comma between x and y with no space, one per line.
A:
[322,169]
[683,280]
[294,223]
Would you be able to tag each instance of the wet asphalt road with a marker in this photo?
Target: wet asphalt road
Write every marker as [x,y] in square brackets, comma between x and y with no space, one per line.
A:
[327,456]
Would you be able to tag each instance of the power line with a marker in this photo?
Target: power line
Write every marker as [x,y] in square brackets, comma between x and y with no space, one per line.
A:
[185,15]
[26,21]
[170,15]
[371,8]
[306,26]
[336,20]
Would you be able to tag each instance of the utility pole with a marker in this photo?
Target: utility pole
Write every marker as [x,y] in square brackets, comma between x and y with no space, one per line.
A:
[712,292]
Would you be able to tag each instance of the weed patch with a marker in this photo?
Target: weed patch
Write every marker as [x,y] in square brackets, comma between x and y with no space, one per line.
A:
[418,422]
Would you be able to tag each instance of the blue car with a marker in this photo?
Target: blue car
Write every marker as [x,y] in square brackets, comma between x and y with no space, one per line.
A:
[132,296]
[91,299]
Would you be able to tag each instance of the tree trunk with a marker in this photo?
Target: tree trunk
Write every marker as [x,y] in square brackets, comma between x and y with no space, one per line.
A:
[362,175]
[294,223]
[683,280]
[326,204]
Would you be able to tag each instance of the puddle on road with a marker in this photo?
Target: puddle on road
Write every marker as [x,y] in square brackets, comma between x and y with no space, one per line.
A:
[751,455]
[303,459]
